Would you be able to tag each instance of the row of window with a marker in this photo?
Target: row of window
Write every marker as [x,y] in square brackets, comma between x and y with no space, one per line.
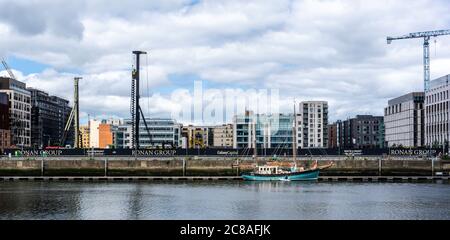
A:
[394,109]
[437,118]
[437,128]
[436,97]
[22,106]
[443,106]
[20,97]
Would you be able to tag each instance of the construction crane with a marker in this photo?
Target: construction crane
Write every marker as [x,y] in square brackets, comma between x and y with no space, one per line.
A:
[426,50]
[135,108]
[11,74]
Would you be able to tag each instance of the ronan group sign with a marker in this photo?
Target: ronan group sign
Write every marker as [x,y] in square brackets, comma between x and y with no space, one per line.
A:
[415,152]
[44,153]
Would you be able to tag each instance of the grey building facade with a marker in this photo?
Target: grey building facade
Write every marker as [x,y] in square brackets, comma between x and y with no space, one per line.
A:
[404,120]
[363,131]
[437,112]
[49,115]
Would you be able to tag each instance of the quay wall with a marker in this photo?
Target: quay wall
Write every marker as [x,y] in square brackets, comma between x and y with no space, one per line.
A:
[211,166]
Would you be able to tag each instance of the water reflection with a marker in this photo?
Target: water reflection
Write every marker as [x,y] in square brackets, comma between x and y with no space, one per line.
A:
[36,201]
[223,200]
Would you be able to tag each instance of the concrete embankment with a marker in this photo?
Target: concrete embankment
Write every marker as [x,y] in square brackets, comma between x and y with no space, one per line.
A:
[204,166]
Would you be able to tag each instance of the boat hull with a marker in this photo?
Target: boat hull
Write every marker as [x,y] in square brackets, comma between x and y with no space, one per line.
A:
[298,176]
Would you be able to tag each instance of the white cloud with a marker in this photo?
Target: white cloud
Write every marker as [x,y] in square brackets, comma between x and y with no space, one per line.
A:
[333,50]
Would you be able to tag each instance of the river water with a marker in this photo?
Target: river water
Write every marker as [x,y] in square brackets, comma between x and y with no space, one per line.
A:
[223,200]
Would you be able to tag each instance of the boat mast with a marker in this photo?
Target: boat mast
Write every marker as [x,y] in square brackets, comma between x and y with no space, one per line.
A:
[294,134]
[255,151]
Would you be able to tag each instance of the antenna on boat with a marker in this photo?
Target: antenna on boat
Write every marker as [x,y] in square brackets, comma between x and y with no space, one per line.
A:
[294,141]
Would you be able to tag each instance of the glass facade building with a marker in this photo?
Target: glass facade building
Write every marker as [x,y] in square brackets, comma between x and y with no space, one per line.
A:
[163,131]
[269,131]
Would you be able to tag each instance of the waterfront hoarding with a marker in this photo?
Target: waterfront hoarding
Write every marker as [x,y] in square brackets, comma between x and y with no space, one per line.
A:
[225,152]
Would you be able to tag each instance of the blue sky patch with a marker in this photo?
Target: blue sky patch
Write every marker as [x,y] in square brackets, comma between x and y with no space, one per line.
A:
[25,66]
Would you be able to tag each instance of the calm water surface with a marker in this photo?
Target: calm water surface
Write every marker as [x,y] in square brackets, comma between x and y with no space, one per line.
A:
[224,200]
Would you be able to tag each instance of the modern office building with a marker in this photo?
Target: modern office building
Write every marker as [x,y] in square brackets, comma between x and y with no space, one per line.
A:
[163,132]
[49,115]
[363,131]
[223,136]
[312,122]
[404,120]
[5,133]
[197,136]
[268,131]
[118,133]
[437,112]
[19,111]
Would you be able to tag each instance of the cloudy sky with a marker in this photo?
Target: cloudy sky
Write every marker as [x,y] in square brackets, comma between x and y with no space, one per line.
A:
[309,50]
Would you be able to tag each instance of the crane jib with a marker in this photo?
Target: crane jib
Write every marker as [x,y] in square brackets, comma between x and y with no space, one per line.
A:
[426,50]
[421,35]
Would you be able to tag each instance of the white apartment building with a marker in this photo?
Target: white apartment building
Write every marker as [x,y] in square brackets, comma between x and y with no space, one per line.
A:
[312,121]
[223,136]
[19,110]
[114,121]
[94,136]
[437,112]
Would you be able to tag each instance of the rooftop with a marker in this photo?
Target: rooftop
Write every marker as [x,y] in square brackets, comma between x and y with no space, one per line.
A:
[407,97]
[439,82]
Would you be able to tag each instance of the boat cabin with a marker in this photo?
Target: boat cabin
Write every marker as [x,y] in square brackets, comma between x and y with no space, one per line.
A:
[268,170]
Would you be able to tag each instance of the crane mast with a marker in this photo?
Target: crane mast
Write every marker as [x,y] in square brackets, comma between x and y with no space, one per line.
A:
[135,108]
[74,118]
[426,49]
[5,65]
